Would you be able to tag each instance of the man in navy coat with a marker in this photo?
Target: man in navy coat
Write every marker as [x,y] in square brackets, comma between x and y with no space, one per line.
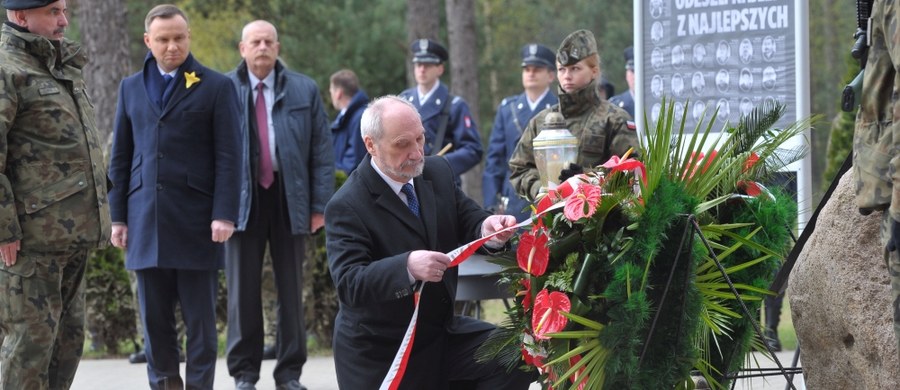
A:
[175,174]
[446,118]
[513,114]
[625,100]
[350,101]
[388,229]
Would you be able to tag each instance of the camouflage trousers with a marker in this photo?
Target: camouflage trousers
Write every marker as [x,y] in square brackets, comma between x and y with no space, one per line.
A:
[42,320]
[892,259]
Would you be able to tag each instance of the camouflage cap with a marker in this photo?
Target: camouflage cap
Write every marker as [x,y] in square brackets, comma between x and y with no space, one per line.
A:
[16,5]
[576,47]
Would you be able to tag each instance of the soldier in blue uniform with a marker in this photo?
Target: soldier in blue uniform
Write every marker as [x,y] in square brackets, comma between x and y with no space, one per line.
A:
[446,118]
[625,100]
[513,114]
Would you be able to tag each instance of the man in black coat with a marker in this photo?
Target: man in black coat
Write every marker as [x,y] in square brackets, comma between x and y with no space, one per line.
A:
[388,229]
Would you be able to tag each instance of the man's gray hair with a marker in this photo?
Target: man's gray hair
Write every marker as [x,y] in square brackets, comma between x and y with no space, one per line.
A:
[370,124]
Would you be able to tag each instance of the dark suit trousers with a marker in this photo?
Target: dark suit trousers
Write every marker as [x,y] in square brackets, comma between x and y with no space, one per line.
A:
[464,372]
[158,291]
[268,224]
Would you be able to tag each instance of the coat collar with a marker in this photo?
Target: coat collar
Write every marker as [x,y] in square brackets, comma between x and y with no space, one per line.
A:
[181,89]
[54,54]
[386,198]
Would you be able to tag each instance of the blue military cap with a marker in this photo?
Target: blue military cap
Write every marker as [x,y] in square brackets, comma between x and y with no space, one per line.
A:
[629,58]
[538,55]
[428,52]
[16,5]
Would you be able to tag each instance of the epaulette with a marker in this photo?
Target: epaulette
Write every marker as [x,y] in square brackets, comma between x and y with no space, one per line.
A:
[504,101]
[455,100]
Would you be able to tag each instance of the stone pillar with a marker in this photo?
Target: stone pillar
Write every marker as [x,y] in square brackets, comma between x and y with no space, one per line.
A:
[840,299]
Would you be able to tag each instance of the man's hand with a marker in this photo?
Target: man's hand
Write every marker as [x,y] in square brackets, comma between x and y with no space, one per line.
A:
[119,237]
[8,252]
[496,223]
[427,266]
[894,242]
[221,230]
[572,170]
[316,222]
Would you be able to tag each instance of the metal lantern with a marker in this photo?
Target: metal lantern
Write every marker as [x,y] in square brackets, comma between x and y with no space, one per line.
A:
[554,149]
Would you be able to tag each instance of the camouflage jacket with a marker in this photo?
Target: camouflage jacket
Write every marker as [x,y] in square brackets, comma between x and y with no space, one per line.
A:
[602,130]
[876,137]
[52,172]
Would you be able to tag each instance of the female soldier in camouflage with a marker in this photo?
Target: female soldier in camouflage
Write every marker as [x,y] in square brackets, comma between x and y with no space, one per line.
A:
[602,129]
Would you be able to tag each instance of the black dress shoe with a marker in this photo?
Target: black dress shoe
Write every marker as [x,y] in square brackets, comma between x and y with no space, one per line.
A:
[137,357]
[290,385]
[244,385]
[269,352]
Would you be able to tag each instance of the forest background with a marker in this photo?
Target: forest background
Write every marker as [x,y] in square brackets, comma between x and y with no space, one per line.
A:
[484,37]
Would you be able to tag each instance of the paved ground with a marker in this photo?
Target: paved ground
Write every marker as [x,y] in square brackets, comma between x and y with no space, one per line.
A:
[318,374]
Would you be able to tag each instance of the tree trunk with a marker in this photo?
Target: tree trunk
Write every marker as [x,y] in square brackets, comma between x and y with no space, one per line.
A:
[423,20]
[104,37]
[464,72]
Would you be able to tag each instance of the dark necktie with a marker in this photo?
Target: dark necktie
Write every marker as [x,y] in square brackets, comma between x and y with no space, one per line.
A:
[266,173]
[411,200]
[167,79]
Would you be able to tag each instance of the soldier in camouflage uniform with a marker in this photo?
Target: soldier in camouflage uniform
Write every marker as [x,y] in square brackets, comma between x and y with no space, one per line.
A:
[53,205]
[876,140]
[602,129]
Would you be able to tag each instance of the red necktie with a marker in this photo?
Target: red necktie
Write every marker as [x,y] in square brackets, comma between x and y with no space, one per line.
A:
[266,173]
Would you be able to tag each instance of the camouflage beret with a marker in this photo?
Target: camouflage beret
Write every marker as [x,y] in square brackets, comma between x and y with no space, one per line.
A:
[16,5]
[576,47]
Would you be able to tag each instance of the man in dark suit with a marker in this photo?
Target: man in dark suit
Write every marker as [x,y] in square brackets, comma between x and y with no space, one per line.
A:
[175,173]
[287,177]
[513,114]
[446,118]
[388,229]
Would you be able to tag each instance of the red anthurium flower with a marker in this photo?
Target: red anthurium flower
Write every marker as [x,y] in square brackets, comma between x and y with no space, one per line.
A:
[750,187]
[533,254]
[616,164]
[752,159]
[577,378]
[696,159]
[526,293]
[546,317]
[583,203]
